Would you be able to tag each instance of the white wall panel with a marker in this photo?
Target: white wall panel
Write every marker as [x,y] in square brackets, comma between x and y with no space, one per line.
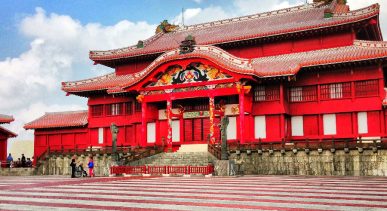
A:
[232,128]
[297,125]
[176,130]
[100,135]
[362,122]
[151,132]
[260,127]
[329,122]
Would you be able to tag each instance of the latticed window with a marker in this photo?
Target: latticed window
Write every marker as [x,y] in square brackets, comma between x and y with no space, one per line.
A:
[303,93]
[129,108]
[96,110]
[201,104]
[335,91]
[266,93]
[114,109]
[366,88]
[259,93]
[137,106]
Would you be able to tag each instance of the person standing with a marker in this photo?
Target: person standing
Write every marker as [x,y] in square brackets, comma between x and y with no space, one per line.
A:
[91,167]
[23,161]
[73,166]
[9,160]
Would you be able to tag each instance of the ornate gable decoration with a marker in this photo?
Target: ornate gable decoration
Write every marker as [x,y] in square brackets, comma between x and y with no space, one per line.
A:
[195,72]
[187,45]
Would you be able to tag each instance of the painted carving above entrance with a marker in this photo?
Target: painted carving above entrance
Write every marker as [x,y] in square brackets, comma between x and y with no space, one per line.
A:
[229,110]
[194,72]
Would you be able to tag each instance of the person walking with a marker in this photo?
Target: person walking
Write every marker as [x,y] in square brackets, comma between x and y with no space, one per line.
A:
[9,160]
[73,166]
[91,167]
[23,161]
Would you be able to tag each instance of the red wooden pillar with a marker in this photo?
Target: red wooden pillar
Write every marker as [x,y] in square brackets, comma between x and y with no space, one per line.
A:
[241,115]
[143,124]
[181,121]
[169,123]
[212,110]
[355,127]
[158,136]
[3,149]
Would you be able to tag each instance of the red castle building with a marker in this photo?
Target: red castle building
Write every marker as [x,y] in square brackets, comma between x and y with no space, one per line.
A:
[4,135]
[315,71]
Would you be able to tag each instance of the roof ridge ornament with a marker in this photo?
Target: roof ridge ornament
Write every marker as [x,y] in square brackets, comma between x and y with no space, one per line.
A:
[166,27]
[328,2]
[187,45]
[140,44]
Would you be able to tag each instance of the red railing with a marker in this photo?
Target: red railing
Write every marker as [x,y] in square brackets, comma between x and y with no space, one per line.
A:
[128,170]
[177,169]
[158,170]
[3,164]
[215,150]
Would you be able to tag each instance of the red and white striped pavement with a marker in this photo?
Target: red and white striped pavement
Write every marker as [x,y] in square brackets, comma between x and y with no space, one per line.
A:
[195,193]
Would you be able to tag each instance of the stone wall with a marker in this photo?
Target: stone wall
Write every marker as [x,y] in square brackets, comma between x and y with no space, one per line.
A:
[16,171]
[60,165]
[339,163]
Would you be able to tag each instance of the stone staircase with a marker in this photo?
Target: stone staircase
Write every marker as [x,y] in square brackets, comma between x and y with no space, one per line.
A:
[183,157]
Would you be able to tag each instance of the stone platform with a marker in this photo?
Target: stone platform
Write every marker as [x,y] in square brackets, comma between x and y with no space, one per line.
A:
[49,193]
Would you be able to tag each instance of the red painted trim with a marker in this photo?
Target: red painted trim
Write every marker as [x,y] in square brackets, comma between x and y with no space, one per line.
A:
[189,85]
[241,115]
[194,94]
[144,111]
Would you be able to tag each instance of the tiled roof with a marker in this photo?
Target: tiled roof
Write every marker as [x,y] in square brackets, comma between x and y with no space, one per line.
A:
[282,65]
[290,64]
[5,119]
[115,84]
[7,132]
[290,20]
[59,120]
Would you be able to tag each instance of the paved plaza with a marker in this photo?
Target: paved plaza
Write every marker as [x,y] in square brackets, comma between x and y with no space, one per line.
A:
[195,193]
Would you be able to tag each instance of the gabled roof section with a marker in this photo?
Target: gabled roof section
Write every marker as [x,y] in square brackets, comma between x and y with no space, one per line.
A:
[59,120]
[275,23]
[6,119]
[7,132]
[115,84]
[290,64]
[273,66]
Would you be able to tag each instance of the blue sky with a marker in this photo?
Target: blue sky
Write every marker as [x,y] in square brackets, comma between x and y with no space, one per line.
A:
[45,42]
[86,11]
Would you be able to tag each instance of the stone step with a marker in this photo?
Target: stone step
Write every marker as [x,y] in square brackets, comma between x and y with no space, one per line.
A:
[177,158]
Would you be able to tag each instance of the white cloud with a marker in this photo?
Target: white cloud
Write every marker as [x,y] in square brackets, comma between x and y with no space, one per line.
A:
[237,8]
[30,83]
[34,111]
[246,7]
[199,15]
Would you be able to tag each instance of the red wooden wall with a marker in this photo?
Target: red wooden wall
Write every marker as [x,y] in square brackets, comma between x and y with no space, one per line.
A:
[3,149]
[56,138]
[293,46]
[346,109]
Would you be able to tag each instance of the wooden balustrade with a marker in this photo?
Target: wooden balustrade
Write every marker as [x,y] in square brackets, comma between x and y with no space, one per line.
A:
[159,170]
[215,150]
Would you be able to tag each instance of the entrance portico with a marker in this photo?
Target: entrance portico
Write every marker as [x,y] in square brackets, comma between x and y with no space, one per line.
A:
[190,117]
